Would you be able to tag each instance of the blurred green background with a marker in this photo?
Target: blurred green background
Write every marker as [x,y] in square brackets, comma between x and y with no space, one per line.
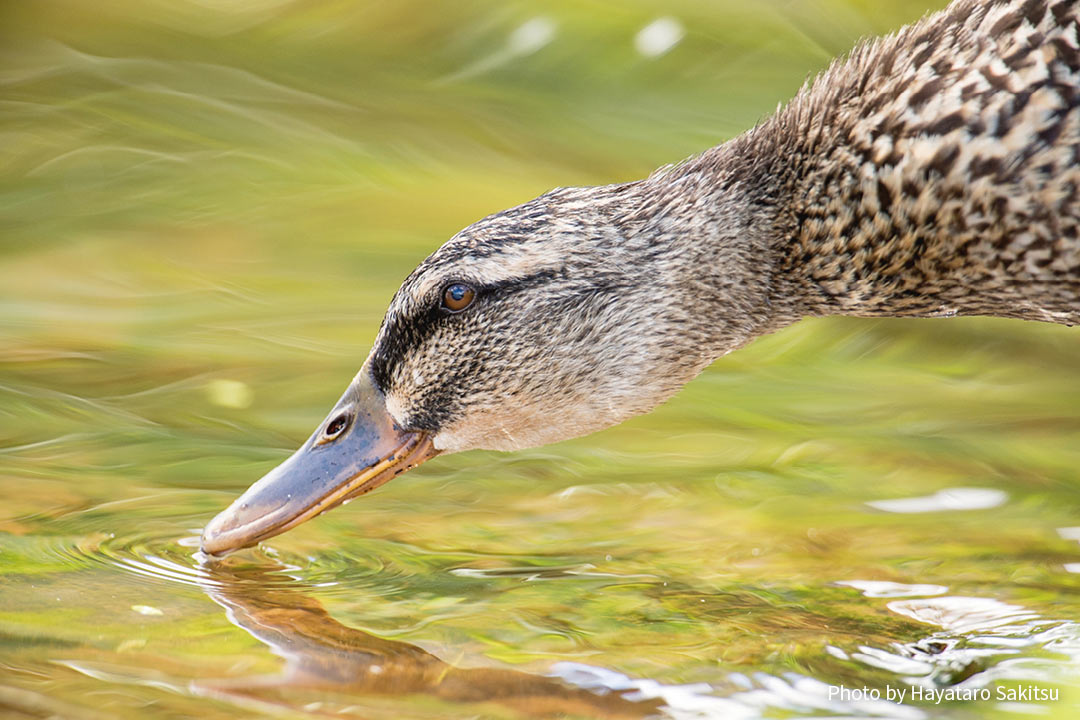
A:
[205,207]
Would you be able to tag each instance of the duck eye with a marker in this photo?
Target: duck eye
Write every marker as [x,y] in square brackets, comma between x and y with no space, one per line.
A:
[457,297]
[336,426]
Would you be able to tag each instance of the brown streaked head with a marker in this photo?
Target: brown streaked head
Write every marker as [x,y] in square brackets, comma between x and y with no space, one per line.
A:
[547,321]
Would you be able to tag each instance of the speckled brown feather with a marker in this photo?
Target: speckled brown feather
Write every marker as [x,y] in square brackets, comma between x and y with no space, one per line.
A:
[936,172]
[930,173]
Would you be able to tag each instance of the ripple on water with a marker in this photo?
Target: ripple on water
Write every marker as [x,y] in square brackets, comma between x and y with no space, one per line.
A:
[148,557]
[885,589]
[979,642]
[158,552]
[140,537]
[534,572]
[370,569]
[977,646]
[757,696]
[964,614]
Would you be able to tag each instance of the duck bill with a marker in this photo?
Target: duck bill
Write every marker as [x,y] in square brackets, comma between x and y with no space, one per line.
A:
[323,473]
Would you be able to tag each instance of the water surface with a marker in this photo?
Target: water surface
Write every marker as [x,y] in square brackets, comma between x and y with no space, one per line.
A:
[205,209]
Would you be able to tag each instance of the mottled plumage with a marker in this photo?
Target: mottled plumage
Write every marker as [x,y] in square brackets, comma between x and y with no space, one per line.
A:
[936,171]
[933,172]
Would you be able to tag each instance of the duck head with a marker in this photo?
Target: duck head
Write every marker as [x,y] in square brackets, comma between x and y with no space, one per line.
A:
[548,321]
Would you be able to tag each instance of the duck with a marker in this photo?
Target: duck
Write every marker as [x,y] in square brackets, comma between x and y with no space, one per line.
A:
[930,173]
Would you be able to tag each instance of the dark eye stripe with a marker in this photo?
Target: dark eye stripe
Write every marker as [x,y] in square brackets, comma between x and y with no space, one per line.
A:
[405,333]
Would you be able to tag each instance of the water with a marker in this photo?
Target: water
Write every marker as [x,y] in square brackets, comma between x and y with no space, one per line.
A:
[205,211]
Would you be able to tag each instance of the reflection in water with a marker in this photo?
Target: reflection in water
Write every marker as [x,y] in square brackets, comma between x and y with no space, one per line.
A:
[978,636]
[976,642]
[322,654]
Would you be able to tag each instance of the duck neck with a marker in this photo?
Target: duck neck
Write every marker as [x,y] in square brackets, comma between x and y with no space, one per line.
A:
[781,224]
[795,221]
[913,239]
